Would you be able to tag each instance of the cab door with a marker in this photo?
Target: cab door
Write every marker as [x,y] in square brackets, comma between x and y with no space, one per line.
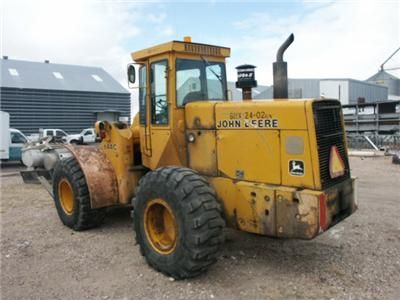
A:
[160,141]
[159,109]
[17,140]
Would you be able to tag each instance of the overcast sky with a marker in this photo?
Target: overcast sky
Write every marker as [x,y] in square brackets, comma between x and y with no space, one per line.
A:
[332,38]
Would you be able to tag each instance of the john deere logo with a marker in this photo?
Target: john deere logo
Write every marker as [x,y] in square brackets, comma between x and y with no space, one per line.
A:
[296,167]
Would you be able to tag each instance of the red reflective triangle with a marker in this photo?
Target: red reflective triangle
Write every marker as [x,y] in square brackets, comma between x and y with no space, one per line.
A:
[336,164]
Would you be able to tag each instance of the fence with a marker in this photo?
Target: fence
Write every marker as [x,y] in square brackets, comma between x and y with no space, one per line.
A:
[379,122]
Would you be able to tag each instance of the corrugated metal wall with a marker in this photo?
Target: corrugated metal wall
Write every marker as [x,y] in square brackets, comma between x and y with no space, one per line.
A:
[32,109]
[371,93]
[297,88]
[303,88]
[385,79]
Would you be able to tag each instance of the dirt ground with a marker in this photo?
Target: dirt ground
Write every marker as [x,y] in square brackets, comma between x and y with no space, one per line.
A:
[357,259]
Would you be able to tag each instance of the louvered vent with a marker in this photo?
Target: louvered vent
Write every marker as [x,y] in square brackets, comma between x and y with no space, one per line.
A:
[329,132]
[203,49]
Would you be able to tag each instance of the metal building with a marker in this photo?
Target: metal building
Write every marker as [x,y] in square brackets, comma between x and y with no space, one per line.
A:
[235,94]
[298,88]
[46,95]
[348,91]
[388,80]
[351,91]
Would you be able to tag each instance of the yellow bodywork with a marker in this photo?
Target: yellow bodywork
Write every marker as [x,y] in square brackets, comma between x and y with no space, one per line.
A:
[187,48]
[265,152]
[245,149]
[118,146]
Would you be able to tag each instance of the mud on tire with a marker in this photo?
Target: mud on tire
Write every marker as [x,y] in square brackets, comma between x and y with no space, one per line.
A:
[79,216]
[197,215]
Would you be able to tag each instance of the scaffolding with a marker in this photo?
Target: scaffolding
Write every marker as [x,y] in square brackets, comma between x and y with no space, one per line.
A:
[377,122]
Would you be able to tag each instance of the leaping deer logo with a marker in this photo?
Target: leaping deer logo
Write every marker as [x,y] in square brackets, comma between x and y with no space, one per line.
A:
[296,167]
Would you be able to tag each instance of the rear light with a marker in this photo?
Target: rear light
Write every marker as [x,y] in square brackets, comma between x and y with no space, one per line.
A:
[322,212]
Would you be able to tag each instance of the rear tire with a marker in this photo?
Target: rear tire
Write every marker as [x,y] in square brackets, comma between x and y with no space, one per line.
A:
[178,222]
[71,197]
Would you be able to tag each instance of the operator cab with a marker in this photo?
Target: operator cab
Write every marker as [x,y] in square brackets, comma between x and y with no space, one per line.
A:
[172,75]
[182,71]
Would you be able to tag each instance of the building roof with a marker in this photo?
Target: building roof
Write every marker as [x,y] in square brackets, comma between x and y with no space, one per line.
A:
[48,76]
[355,80]
[381,75]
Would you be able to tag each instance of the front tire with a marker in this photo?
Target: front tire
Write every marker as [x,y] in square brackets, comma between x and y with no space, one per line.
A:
[178,222]
[71,197]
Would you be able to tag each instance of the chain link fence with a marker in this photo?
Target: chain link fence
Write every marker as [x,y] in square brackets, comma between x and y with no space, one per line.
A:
[360,141]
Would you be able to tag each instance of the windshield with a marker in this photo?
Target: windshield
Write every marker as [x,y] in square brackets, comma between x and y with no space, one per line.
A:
[199,80]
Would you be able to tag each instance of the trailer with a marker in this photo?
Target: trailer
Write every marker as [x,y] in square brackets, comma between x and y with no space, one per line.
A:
[4,135]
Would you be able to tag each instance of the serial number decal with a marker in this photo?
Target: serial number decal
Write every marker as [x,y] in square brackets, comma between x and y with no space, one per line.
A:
[249,115]
[248,123]
[110,146]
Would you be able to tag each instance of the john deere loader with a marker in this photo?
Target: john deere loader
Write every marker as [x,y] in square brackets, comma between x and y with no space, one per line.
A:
[193,162]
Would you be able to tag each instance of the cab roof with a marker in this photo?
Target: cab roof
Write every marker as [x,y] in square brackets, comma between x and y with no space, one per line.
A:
[183,47]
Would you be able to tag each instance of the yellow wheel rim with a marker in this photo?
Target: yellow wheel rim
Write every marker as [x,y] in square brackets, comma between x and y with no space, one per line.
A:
[66,196]
[160,226]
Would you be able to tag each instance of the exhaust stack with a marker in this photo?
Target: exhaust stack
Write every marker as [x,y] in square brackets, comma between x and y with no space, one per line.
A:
[280,71]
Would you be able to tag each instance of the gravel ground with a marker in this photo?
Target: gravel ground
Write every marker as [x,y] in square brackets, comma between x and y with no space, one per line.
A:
[357,259]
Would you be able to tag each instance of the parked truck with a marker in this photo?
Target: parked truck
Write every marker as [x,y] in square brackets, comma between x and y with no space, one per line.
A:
[12,140]
[86,136]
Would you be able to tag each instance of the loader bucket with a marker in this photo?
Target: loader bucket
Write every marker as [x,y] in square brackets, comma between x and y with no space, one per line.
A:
[99,175]
[32,176]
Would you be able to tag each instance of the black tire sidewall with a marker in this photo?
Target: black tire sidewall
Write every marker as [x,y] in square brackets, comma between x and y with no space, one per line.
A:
[197,214]
[157,260]
[60,174]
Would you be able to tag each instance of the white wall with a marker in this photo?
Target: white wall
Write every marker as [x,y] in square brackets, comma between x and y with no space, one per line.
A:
[336,89]
[4,134]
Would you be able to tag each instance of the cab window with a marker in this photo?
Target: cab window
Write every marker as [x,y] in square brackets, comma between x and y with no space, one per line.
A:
[60,133]
[199,80]
[17,138]
[159,104]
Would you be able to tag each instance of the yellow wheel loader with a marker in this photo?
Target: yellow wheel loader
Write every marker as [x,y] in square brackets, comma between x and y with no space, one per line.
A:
[193,162]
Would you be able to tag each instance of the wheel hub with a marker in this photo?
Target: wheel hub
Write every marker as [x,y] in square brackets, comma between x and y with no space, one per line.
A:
[160,226]
[66,196]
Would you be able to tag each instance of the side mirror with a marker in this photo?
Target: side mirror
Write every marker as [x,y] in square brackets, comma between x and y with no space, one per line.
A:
[131,73]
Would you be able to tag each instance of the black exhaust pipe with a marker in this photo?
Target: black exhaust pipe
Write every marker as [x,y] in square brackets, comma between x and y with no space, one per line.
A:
[280,71]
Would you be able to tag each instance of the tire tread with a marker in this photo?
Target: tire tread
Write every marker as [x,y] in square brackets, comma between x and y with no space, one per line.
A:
[86,216]
[204,224]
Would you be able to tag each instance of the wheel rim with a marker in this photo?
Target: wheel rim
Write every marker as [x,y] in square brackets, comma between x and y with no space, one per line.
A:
[66,195]
[160,226]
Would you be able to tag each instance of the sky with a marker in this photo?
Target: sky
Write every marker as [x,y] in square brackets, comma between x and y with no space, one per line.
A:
[333,39]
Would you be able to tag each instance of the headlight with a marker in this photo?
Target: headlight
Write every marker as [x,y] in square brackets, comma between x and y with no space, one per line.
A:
[191,138]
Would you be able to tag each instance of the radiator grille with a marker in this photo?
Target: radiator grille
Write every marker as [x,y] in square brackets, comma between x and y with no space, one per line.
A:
[329,132]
